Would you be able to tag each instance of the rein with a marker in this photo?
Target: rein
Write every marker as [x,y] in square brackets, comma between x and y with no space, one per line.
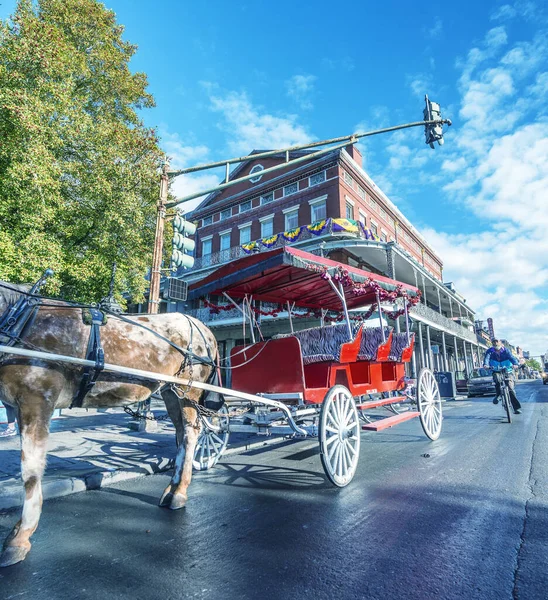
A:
[70,304]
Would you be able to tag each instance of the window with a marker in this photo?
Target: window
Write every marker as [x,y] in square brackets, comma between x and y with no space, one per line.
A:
[291,219]
[245,206]
[374,227]
[384,236]
[225,240]
[267,227]
[349,211]
[292,188]
[256,169]
[207,221]
[316,178]
[348,179]
[226,214]
[318,209]
[363,219]
[361,192]
[206,246]
[245,234]
[384,215]
[267,198]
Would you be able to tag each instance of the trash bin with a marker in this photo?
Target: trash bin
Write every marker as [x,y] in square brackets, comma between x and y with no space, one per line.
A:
[446,383]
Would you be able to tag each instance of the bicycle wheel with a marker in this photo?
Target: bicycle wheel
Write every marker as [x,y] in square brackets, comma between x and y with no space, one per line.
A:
[507,404]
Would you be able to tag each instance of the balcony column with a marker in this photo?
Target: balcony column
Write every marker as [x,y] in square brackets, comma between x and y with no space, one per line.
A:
[451,306]
[466,363]
[429,342]
[391,269]
[446,362]
[423,290]
[439,300]
[456,355]
[421,346]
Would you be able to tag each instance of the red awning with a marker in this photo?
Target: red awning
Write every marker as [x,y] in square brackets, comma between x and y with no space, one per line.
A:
[290,275]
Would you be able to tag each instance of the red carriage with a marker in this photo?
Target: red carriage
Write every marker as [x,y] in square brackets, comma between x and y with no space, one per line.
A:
[318,381]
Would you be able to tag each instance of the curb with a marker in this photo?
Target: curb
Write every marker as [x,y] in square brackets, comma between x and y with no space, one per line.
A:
[12,492]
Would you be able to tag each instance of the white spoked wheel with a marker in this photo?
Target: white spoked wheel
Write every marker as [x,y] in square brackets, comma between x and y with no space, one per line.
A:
[339,436]
[429,404]
[212,444]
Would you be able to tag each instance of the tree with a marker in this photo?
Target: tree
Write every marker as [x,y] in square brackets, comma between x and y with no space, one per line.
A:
[78,168]
[534,364]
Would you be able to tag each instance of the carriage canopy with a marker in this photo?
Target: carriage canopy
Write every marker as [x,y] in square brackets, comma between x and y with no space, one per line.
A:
[290,275]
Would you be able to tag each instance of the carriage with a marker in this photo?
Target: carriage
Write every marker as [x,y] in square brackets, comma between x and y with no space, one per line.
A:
[320,381]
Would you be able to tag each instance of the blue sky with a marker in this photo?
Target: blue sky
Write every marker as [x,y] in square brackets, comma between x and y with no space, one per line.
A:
[229,77]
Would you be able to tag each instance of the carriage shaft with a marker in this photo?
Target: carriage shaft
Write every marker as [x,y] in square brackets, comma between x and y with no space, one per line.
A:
[151,376]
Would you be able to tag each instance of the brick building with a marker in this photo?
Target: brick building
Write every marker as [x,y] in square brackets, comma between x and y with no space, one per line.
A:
[333,186]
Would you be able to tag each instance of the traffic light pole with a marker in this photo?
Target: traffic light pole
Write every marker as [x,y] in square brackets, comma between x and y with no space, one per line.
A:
[156,271]
[341,142]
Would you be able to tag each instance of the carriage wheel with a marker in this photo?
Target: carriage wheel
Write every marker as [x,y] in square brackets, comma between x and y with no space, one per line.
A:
[339,436]
[211,445]
[429,403]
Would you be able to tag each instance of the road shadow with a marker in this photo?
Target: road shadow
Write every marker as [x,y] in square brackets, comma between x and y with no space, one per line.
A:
[262,477]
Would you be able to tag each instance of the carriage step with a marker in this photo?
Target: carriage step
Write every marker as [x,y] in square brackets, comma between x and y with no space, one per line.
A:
[381,402]
[390,421]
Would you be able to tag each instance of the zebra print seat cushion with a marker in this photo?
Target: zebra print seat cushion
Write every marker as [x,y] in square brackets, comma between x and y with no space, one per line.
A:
[371,340]
[320,344]
[399,344]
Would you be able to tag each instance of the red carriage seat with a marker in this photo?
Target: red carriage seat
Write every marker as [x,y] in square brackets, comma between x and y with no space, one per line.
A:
[399,343]
[320,344]
[371,340]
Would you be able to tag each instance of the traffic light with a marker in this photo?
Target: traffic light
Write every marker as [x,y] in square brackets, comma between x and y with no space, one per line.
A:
[183,246]
[433,131]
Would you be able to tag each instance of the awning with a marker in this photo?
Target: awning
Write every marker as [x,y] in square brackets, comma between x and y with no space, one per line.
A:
[290,275]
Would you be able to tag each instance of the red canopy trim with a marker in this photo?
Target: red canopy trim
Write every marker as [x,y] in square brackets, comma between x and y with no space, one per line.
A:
[290,275]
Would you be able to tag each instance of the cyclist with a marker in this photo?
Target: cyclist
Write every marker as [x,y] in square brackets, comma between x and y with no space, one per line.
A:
[499,358]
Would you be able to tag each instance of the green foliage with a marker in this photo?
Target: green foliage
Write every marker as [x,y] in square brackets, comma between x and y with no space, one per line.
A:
[534,364]
[79,174]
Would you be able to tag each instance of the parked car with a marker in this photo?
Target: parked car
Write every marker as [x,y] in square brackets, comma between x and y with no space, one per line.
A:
[544,375]
[481,383]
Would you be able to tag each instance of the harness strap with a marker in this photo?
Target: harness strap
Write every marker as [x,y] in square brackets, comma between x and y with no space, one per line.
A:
[94,352]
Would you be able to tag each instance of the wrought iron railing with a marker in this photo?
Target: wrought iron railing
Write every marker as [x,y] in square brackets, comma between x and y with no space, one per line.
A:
[420,310]
[224,256]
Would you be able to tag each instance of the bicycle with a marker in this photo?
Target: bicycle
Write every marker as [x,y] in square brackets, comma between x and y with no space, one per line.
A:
[501,378]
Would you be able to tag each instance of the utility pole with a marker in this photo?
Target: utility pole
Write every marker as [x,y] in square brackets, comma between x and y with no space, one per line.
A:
[156,271]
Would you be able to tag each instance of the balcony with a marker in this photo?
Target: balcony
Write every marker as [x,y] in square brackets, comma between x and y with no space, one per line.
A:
[316,231]
[424,313]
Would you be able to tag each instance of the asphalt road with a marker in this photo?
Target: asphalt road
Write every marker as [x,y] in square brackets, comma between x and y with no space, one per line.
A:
[463,517]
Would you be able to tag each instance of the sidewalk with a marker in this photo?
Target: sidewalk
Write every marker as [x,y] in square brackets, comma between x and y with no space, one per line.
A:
[88,449]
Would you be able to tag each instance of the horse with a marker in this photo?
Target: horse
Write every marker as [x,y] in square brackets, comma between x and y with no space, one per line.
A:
[169,344]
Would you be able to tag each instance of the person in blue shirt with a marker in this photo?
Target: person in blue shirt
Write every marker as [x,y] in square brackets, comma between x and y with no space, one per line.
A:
[499,358]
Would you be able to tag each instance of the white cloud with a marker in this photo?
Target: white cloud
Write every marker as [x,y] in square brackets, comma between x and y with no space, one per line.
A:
[498,165]
[248,127]
[300,88]
[435,30]
[187,185]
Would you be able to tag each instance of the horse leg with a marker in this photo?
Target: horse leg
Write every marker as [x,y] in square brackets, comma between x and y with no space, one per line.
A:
[185,455]
[173,407]
[34,420]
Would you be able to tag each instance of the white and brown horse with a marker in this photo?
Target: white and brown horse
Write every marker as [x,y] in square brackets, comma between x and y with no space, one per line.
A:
[36,388]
